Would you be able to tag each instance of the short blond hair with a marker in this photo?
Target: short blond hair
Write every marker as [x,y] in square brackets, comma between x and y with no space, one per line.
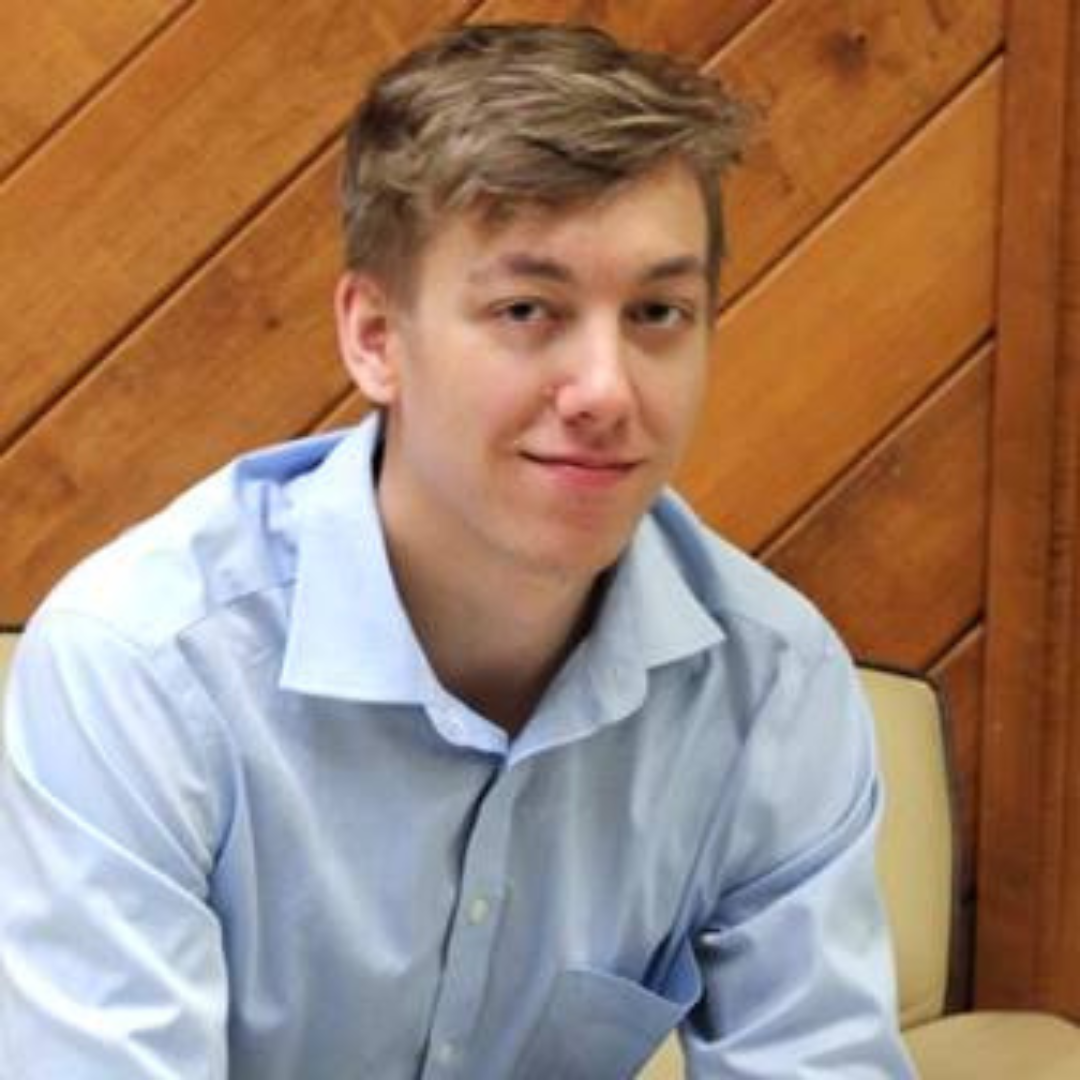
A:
[494,116]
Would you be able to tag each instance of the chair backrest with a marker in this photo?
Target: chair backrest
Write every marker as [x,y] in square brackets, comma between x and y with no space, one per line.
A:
[916,850]
[8,638]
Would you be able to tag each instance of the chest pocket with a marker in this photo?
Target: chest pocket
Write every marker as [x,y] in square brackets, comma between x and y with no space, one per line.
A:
[597,1026]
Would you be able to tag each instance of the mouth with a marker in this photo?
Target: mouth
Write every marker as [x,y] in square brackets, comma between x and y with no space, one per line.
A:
[583,470]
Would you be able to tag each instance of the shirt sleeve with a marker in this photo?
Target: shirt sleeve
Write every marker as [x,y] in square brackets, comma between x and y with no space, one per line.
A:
[795,958]
[111,964]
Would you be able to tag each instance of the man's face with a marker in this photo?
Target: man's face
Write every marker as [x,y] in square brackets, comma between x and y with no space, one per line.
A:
[542,381]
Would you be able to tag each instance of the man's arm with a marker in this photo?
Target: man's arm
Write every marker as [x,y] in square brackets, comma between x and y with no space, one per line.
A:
[111,965]
[795,960]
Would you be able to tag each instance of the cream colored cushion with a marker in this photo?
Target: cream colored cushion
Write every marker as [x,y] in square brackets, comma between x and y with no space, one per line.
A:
[7,649]
[8,638]
[996,1046]
[915,847]
[666,1064]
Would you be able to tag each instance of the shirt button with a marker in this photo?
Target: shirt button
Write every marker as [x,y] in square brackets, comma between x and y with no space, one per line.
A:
[445,1053]
[479,910]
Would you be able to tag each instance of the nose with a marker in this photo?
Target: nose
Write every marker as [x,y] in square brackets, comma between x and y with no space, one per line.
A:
[596,389]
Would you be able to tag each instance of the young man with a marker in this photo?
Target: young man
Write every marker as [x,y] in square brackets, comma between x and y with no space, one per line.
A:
[455,746]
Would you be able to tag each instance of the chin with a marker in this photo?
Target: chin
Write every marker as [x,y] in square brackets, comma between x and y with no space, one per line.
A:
[574,560]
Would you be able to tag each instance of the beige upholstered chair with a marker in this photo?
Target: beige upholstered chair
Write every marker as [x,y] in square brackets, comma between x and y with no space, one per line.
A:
[8,637]
[917,867]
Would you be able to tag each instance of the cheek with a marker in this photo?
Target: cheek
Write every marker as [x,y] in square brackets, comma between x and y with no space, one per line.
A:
[505,399]
[672,398]
[479,414]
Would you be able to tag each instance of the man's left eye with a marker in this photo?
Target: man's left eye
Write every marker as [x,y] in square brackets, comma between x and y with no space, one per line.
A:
[523,311]
[659,313]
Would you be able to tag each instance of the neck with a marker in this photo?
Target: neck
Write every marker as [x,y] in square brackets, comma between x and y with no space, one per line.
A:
[495,640]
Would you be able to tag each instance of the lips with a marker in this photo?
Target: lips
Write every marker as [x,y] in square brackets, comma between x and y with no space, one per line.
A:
[583,471]
[579,461]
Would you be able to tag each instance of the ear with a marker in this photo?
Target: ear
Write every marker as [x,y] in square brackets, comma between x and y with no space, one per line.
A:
[365,327]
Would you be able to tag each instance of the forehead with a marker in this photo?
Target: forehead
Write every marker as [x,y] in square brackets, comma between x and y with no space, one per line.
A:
[655,221]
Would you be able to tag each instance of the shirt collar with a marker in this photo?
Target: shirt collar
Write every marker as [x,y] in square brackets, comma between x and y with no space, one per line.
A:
[351,638]
[649,617]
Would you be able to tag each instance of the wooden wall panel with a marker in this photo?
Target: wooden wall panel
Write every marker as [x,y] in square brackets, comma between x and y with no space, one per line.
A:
[253,329]
[246,346]
[687,27]
[1063,991]
[894,554]
[348,410]
[1029,849]
[844,86]
[52,55]
[173,158]
[825,353]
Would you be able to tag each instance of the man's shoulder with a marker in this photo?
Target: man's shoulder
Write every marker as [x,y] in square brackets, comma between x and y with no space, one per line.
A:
[750,603]
[230,535]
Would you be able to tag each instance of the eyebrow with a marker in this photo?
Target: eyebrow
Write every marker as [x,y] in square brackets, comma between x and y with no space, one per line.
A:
[677,266]
[522,264]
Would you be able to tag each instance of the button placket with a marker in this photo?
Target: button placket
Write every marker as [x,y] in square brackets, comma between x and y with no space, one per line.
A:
[474,929]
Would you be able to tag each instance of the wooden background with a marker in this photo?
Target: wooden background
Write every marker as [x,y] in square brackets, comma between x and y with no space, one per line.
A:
[893,418]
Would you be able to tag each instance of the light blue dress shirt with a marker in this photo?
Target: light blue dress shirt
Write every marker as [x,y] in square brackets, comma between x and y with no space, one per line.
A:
[245,833]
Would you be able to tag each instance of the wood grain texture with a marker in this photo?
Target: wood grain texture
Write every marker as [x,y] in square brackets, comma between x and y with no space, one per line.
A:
[843,86]
[53,54]
[183,394]
[960,674]
[252,332]
[163,167]
[1063,991]
[1026,734]
[894,553]
[846,335]
[349,410]
[687,27]
[1059,915]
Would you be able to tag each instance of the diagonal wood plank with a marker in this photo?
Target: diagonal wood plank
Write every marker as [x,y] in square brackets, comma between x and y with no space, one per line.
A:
[99,224]
[687,27]
[847,334]
[349,410]
[844,84]
[183,394]
[52,55]
[894,553]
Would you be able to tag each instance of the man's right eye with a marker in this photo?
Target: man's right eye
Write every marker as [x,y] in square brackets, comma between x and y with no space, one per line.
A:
[524,312]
